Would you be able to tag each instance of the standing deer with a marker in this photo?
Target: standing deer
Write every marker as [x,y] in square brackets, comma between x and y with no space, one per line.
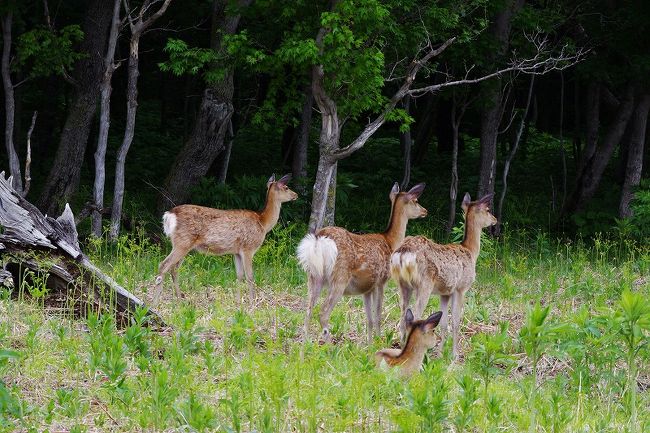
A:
[420,338]
[424,267]
[352,264]
[215,231]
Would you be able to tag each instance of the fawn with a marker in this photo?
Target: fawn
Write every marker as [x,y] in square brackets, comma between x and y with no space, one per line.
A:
[352,264]
[420,338]
[424,267]
[215,231]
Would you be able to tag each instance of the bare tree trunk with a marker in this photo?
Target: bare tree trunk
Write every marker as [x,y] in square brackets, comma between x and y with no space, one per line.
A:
[138,27]
[63,179]
[104,121]
[299,162]
[492,112]
[592,119]
[457,113]
[207,138]
[634,165]
[225,161]
[594,167]
[10,105]
[511,155]
[407,143]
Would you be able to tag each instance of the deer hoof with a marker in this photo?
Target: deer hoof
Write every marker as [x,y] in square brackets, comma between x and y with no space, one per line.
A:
[159,279]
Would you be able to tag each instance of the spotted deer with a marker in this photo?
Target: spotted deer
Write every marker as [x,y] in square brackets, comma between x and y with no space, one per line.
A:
[355,265]
[425,267]
[215,231]
[420,338]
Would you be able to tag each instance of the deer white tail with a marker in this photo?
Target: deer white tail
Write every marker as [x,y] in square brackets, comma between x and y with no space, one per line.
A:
[404,267]
[169,223]
[317,255]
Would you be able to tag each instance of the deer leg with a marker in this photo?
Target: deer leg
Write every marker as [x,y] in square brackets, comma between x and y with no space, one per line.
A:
[421,300]
[247,259]
[457,300]
[444,303]
[368,306]
[174,273]
[239,268]
[174,258]
[333,297]
[314,286]
[405,290]
[379,303]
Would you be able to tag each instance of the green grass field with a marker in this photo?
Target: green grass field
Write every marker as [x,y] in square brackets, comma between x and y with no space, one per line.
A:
[585,367]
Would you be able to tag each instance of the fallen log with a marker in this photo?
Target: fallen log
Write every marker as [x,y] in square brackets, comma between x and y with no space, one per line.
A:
[43,254]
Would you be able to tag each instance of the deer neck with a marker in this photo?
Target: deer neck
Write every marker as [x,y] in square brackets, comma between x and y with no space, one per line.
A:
[271,213]
[412,356]
[396,230]
[472,239]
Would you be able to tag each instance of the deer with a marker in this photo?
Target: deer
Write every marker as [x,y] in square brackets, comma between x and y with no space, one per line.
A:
[420,338]
[423,267]
[355,264]
[239,232]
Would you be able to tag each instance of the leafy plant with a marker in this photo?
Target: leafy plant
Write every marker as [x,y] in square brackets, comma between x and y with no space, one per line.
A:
[633,322]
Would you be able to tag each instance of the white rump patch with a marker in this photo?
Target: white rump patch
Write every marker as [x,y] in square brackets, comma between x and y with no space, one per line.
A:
[317,255]
[169,223]
[403,266]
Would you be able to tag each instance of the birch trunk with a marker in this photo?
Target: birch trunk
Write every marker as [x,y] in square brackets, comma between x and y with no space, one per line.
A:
[104,122]
[138,27]
[10,104]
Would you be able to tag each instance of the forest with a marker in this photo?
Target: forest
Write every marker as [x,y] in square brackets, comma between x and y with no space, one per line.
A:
[514,130]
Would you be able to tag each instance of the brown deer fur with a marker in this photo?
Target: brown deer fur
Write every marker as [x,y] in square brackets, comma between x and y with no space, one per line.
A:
[421,337]
[215,231]
[351,264]
[425,267]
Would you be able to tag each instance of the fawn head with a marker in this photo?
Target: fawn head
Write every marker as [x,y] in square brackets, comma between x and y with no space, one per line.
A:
[278,189]
[480,210]
[408,201]
[421,332]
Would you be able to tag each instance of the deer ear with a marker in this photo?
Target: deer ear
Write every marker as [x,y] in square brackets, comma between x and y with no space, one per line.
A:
[465,204]
[394,191]
[409,318]
[485,199]
[416,191]
[432,321]
[271,180]
[285,179]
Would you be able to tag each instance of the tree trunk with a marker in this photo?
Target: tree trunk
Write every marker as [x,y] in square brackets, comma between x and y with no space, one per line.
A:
[490,119]
[138,27]
[224,161]
[457,113]
[63,179]
[207,138]
[299,161]
[325,176]
[50,247]
[407,143]
[511,156]
[491,116]
[104,121]
[10,105]
[635,155]
[594,167]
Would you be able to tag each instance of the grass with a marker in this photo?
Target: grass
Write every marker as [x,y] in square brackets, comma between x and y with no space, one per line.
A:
[581,366]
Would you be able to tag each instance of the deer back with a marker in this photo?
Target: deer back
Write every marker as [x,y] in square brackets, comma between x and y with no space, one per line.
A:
[444,267]
[364,259]
[217,231]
